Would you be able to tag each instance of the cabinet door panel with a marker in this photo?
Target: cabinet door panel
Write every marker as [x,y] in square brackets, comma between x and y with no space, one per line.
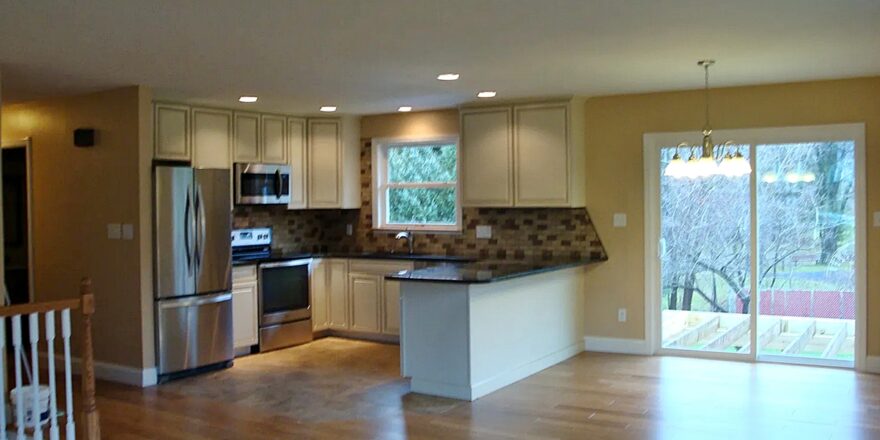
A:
[486,157]
[296,147]
[391,300]
[541,155]
[171,132]
[247,137]
[212,138]
[364,292]
[244,314]
[318,289]
[338,291]
[273,139]
[325,168]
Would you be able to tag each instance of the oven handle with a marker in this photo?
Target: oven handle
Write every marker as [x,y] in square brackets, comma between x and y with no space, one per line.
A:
[290,263]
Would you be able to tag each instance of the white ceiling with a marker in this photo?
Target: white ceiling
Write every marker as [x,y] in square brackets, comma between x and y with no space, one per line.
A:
[371,56]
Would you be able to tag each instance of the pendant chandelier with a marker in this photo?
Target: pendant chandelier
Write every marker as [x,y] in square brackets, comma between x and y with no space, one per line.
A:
[702,162]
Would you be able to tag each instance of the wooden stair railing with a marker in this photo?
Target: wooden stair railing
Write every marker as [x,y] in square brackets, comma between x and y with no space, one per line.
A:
[90,424]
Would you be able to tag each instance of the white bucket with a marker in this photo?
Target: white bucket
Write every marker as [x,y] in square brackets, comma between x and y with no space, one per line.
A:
[28,401]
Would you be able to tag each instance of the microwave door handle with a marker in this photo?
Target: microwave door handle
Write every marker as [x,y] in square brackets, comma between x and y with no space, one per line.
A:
[278,183]
[201,226]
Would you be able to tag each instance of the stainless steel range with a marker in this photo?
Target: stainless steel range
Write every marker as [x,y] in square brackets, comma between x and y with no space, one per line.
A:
[285,311]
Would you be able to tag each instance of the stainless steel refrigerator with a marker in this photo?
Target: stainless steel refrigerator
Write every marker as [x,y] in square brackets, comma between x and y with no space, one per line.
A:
[193,268]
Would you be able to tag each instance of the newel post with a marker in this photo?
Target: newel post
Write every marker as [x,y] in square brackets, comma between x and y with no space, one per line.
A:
[91,424]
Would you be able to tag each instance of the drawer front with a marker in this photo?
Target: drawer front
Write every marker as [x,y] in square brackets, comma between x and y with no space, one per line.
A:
[244,273]
[378,267]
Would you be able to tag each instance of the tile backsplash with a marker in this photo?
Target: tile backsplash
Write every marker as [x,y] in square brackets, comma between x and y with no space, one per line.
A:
[517,233]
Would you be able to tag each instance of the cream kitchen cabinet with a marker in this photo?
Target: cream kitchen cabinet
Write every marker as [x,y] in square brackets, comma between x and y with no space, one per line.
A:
[171,132]
[273,139]
[524,155]
[211,138]
[375,301]
[487,157]
[297,155]
[333,163]
[319,290]
[245,306]
[337,293]
[247,137]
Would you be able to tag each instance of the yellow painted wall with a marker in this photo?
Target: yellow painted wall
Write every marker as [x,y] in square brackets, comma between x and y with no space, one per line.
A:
[615,182]
[76,193]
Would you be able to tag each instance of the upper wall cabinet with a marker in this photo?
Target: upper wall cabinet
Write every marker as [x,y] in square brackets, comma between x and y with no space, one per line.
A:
[247,137]
[487,157]
[524,155]
[211,137]
[273,142]
[171,140]
[333,163]
[298,159]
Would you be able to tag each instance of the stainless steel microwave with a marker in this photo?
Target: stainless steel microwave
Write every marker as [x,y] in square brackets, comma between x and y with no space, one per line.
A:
[262,184]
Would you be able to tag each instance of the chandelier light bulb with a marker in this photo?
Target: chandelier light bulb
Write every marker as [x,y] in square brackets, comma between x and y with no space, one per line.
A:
[675,168]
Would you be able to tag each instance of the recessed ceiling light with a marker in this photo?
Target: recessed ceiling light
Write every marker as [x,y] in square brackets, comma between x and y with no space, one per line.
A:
[486,94]
[328,108]
[247,99]
[447,77]
[405,108]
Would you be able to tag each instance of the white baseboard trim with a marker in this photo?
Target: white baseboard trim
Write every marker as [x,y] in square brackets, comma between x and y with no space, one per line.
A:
[616,345]
[138,377]
[523,371]
[872,364]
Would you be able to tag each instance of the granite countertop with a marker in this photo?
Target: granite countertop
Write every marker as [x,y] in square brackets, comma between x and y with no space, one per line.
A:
[486,271]
[359,255]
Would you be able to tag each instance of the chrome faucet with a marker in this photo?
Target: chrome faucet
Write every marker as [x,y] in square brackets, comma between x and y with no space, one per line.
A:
[409,239]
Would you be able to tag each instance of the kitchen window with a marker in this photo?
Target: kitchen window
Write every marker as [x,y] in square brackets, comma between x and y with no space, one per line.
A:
[416,184]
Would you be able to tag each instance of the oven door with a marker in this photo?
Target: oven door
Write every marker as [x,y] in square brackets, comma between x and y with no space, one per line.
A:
[261,184]
[284,292]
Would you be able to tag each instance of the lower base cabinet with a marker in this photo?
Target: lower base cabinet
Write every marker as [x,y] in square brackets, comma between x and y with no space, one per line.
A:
[245,306]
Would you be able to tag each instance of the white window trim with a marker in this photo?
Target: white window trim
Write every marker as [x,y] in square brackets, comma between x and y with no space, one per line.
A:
[380,182]
[653,142]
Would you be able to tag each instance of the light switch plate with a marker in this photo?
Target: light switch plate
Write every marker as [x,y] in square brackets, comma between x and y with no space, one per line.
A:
[877,219]
[619,220]
[484,231]
[127,231]
[349,229]
[114,231]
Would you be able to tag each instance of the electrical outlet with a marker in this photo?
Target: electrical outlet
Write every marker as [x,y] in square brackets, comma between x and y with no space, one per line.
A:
[621,315]
[484,231]
[349,229]
[114,231]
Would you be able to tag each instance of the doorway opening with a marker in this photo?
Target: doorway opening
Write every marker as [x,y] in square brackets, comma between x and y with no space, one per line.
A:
[767,266]
[17,233]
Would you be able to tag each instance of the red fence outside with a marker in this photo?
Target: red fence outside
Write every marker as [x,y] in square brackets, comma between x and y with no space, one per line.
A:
[805,303]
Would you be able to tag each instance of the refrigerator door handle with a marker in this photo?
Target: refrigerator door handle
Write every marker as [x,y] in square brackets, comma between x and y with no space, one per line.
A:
[201,226]
[187,212]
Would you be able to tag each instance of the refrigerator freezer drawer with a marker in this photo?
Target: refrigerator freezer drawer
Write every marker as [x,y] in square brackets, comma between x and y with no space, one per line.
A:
[194,332]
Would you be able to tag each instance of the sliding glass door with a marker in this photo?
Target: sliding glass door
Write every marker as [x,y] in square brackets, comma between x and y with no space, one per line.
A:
[763,266]
[806,246]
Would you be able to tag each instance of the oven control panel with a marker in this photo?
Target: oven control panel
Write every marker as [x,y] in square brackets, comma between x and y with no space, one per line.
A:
[251,237]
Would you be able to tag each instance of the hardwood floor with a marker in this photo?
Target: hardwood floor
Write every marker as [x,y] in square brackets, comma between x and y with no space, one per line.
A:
[341,389]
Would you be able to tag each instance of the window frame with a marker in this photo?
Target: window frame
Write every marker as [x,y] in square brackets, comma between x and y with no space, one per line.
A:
[380,183]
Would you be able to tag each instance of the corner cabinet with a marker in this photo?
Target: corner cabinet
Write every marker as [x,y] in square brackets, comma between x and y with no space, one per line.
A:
[524,155]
